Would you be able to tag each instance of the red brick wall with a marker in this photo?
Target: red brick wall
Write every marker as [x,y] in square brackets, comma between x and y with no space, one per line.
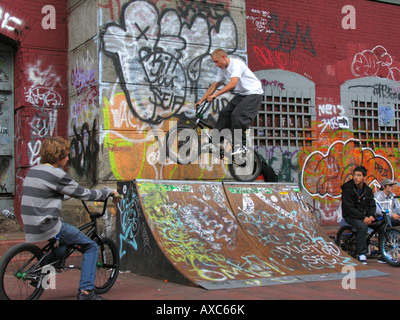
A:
[327,64]
[40,77]
[307,37]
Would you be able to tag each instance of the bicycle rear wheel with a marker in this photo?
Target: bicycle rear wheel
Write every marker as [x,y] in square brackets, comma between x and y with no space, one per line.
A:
[108,264]
[389,246]
[17,268]
[245,167]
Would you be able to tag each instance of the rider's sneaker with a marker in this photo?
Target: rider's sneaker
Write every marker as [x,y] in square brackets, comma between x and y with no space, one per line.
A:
[211,148]
[238,149]
[90,295]
[362,258]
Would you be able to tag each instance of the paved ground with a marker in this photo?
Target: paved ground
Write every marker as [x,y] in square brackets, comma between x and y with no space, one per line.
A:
[133,287]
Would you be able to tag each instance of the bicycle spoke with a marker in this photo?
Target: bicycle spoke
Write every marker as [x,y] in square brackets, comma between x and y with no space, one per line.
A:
[107,266]
[392,246]
[15,276]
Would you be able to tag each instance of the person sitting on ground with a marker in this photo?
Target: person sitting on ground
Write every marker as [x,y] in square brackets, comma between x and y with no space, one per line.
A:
[384,194]
[44,188]
[358,208]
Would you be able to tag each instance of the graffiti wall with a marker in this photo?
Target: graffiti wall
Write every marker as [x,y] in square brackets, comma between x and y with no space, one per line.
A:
[35,34]
[132,69]
[156,64]
[346,52]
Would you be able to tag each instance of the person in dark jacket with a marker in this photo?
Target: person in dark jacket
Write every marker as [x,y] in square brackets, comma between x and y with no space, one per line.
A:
[358,208]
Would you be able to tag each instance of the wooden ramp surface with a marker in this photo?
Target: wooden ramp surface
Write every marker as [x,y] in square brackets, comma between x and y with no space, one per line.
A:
[225,235]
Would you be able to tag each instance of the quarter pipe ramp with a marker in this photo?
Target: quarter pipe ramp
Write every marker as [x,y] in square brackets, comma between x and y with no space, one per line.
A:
[224,235]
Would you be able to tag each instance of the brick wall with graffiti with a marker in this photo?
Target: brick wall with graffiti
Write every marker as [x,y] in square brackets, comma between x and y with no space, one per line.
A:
[40,73]
[342,49]
[155,65]
[155,61]
[134,68]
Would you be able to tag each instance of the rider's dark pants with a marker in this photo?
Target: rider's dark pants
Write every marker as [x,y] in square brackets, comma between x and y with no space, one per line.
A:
[239,113]
[362,231]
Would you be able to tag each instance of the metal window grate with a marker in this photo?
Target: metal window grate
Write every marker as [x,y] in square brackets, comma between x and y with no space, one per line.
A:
[284,121]
[369,131]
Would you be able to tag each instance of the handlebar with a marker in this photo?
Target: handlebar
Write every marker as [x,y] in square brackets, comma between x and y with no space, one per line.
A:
[202,108]
[97,214]
[389,202]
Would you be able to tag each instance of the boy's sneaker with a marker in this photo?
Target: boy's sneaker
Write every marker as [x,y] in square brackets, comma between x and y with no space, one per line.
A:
[90,295]
[362,258]
[211,148]
[381,260]
[238,149]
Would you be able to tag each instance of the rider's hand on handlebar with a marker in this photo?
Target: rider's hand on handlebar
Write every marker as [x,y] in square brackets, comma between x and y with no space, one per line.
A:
[116,196]
[211,98]
[369,220]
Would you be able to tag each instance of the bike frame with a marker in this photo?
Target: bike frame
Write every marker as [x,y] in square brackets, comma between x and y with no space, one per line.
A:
[202,124]
[381,225]
[50,247]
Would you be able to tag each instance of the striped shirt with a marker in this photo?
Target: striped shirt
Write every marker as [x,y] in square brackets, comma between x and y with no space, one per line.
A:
[43,192]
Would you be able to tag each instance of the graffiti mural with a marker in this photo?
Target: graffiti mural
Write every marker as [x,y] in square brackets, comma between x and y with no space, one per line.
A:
[162,60]
[160,57]
[43,94]
[83,119]
[155,62]
[375,62]
[325,171]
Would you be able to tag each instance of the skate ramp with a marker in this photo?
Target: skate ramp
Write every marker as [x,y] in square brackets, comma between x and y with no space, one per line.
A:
[229,235]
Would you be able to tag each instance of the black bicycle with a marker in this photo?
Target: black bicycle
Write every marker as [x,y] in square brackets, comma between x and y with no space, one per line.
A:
[25,269]
[185,143]
[383,241]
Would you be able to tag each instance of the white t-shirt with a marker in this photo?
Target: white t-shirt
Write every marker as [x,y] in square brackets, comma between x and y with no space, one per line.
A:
[248,82]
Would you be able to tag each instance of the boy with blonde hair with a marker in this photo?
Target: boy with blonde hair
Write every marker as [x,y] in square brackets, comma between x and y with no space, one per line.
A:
[44,189]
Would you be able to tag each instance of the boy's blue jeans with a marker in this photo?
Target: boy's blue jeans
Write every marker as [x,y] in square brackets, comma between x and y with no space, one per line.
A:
[72,235]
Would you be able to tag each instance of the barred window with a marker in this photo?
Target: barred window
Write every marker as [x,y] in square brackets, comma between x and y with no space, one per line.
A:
[375,125]
[288,109]
[375,111]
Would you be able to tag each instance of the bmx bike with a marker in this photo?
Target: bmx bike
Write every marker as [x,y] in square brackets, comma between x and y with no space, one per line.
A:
[184,144]
[25,267]
[383,240]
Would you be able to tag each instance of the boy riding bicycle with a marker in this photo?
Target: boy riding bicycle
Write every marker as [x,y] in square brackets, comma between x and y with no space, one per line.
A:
[240,112]
[44,189]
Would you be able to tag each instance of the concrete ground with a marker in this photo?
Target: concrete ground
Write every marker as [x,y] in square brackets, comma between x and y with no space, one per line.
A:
[133,287]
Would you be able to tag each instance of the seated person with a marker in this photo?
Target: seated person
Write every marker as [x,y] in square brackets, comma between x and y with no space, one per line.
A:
[43,191]
[358,208]
[384,194]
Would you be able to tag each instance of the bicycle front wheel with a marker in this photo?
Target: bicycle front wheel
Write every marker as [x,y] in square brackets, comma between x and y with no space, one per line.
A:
[108,264]
[245,167]
[389,246]
[20,273]
[182,144]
